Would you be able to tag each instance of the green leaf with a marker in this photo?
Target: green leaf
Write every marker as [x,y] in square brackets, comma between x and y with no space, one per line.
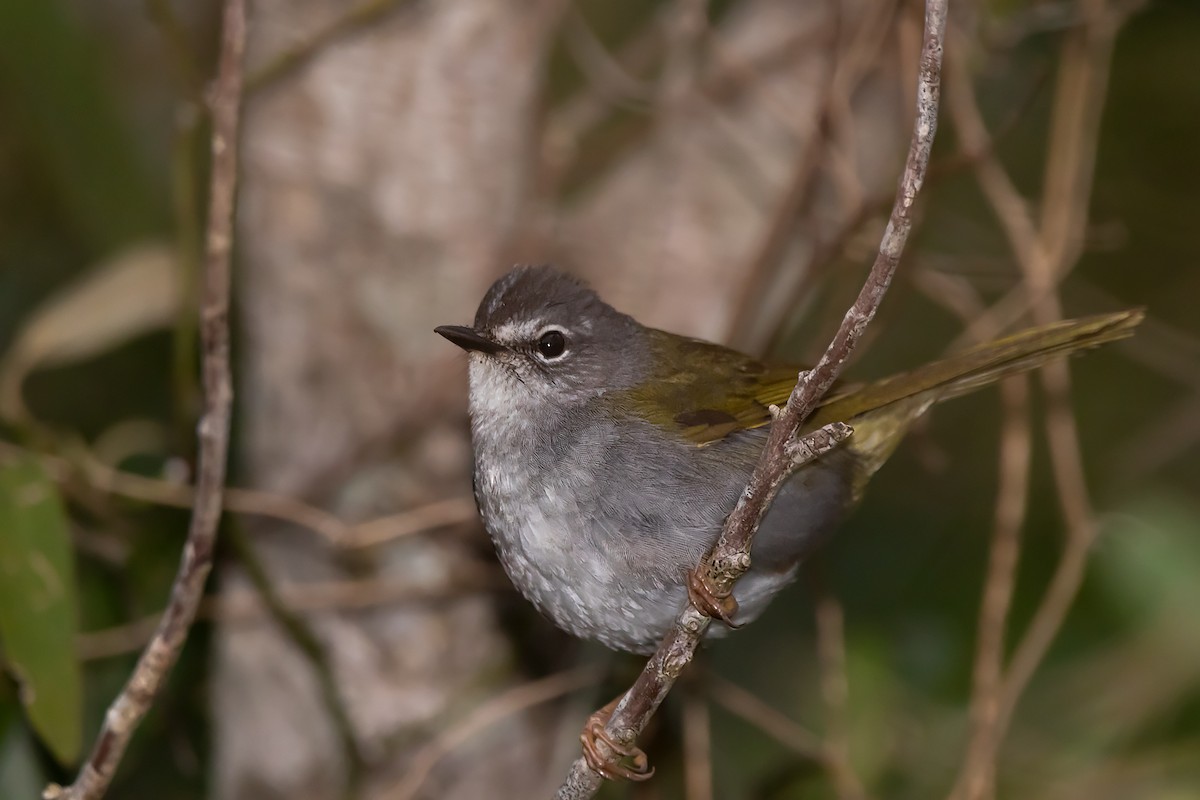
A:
[38,611]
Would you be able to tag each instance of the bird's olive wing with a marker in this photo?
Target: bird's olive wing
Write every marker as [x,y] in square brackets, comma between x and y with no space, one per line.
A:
[708,392]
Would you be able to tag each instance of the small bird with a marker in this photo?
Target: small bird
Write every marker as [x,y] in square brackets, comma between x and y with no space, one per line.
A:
[608,454]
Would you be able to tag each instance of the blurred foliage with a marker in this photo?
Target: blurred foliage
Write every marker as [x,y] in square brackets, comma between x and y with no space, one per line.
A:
[100,155]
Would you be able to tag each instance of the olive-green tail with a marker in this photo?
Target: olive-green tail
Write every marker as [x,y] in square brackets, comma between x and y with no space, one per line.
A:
[881,411]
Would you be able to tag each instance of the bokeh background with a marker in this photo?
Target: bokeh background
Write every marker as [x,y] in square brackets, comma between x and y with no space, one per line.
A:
[721,169]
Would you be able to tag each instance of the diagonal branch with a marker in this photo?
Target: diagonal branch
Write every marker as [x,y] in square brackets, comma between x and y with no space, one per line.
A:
[160,655]
[730,557]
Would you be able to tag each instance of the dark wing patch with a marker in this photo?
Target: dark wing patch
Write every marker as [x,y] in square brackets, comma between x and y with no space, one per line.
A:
[704,416]
[709,392]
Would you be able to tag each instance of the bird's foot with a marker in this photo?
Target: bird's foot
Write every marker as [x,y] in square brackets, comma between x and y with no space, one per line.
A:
[716,604]
[605,755]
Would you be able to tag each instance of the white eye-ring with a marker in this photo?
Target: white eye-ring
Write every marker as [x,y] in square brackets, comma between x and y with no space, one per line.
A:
[551,344]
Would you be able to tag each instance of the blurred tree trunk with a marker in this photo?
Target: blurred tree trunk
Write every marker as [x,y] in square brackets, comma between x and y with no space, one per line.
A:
[381,182]
[385,183]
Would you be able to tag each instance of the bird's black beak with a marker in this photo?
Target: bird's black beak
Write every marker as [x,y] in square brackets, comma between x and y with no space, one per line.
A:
[469,339]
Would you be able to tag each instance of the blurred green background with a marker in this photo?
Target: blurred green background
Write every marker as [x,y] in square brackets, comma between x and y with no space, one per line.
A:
[102,147]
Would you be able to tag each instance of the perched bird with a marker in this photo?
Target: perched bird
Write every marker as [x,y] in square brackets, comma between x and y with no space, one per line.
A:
[608,454]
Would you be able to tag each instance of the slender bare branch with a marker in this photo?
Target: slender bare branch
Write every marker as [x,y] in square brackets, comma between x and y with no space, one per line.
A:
[1012,495]
[835,691]
[1045,253]
[767,718]
[763,266]
[299,597]
[730,557]
[285,508]
[977,777]
[140,692]
[495,710]
[1070,168]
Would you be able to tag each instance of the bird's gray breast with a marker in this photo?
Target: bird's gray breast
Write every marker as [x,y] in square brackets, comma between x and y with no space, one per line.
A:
[597,519]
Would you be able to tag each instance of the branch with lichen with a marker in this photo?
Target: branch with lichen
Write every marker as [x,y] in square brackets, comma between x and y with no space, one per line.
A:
[785,449]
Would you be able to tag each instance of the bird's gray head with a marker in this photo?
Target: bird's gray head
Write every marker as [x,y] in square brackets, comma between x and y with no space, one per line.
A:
[542,338]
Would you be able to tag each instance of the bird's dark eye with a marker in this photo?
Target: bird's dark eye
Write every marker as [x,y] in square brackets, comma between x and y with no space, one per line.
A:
[551,344]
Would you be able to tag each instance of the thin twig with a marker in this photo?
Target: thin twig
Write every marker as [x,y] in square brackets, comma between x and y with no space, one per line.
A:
[835,691]
[978,775]
[160,655]
[828,248]
[767,718]
[438,514]
[1045,255]
[678,108]
[768,252]
[358,18]
[495,710]
[605,73]
[587,112]
[285,508]
[731,555]
[1012,496]
[1171,433]
[1070,169]
[237,605]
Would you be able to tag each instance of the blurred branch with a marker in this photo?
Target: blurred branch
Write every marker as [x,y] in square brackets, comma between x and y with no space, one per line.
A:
[305,639]
[783,452]
[978,773]
[1174,354]
[1045,254]
[606,74]
[245,606]
[160,655]
[835,690]
[495,710]
[678,107]
[1159,346]
[1171,433]
[184,59]
[767,718]
[1048,255]
[334,530]
[780,228]
[357,18]
[1075,129]
[589,110]
[829,248]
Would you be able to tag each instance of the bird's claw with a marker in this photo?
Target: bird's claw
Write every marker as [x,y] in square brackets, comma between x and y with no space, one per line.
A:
[718,605]
[604,754]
